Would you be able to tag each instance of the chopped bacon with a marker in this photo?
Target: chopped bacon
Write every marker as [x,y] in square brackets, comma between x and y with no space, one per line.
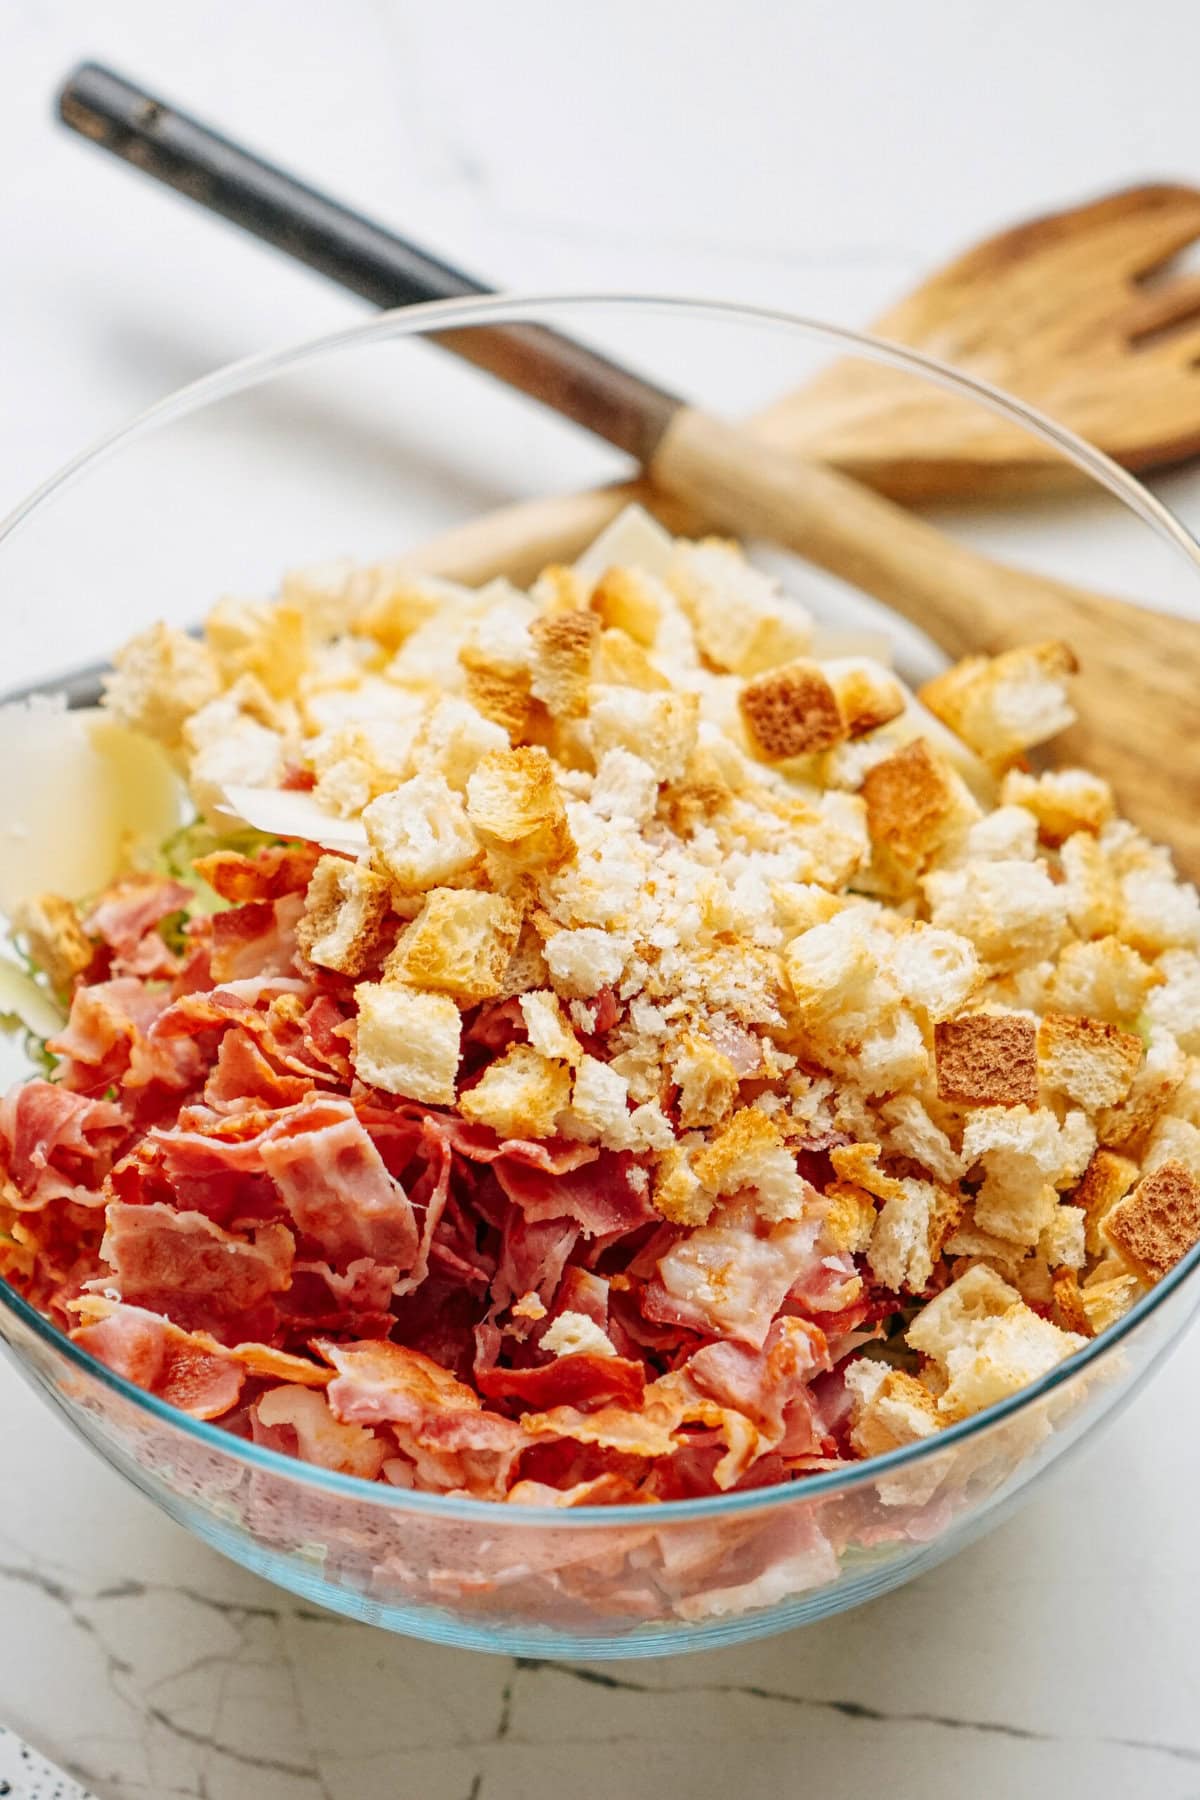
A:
[207,1278]
[299,1422]
[273,871]
[730,1278]
[604,1197]
[258,938]
[54,1143]
[336,1187]
[242,1076]
[583,1380]
[127,917]
[156,1355]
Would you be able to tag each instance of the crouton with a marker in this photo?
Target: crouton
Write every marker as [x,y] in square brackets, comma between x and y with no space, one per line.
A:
[1026,1154]
[791,711]
[55,938]
[255,638]
[850,1217]
[909,1233]
[1107,1179]
[1011,911]
[453,739]
[1107,1294]
[407,1042]
[516,808]
[344,925]
[1088,1060]
[584,961]
[459,943]
[617,661]
[986,1341]
[1063,1242]
[743,621]
[599,1105]
[1070,1313]
[868,695]
[159,679]
[1063,801]
[625,787]
[629,601]
[395,603]
[549,1032]
[935,971]
[421,834]
[1003,705]
[576,1334]
[1174,1006]
[1150,1094]
[1101,980]
[956,1317]
[987,1059]
[891,1408]
[520,1095]
[1158,1223]
[916,805]
[749,1153]
[562,660]
[707,1082]
[658,727]
[506,698]
[677,1191]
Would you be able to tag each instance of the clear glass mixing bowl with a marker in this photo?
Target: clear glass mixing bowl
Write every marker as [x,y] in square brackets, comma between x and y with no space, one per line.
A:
[364,444]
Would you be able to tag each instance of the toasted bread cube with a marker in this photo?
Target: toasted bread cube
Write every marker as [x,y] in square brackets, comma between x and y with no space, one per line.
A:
[1012,911]
[743,620]
[1063,1243]
[707,1082]
[1063,801]
[584,961]
[562,660]
[1070,1312]
[504,697]
[599,1105]
[957,1318]
[1150,1095]
[1088,1060]
[160,678]
[749,1154]
[987,1059]
[1013,1351]
[791,711]
[409,1043]
[617,661]
[549,1031]
[520,1095]
[891,1408]
[625,787]
[1003,705]
[396,602]
[659,727]
[1158,1223]
[909,1232]
[1107,1294]
[850,1217]
[345,918]
[1175,1005]
[55,938]
[455,737]
[421,834]
[576,1334]
[677,1191]
[515,806]
[267,640]
[868,695]
[1107,1179]
[1102,980]
[630,601]
[934,970]
[458,944]
[917,804]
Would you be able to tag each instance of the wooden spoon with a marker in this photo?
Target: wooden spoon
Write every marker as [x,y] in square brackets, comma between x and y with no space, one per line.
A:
[1137,708]
[1075,312]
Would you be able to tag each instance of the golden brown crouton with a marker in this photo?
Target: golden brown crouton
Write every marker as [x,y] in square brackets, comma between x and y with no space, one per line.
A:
[267,641]
[868,697]
[55,937]
[706,1079]
[617,661]
[749,1153]
[1070,1314]
[562,660]
[987,1059]
[501,695]
[407,1042]
[1002,705]
[1088,1060]
[1158,1222]
[520,1095]
[677,1191]
[791,711]
[1063,801]
[626,600]
[1107,1179]
[916,804]
[344,925]
[515,807]
[459,943]
[889,1412]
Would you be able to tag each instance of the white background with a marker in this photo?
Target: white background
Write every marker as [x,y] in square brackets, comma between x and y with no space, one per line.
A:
[813,157]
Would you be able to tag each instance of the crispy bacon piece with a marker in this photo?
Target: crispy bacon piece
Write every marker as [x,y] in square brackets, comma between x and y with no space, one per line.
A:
[156,1355]
[127,917]
[183,1264]
[603,1197]
[336,1187]
[273,871]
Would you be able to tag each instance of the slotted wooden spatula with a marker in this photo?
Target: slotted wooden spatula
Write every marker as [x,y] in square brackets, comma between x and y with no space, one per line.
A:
[1077,312]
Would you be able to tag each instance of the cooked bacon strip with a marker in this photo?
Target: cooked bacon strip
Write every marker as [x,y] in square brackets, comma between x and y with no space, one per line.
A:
[210,1278]
[46,1131]
[730,1278]
[126,918]
[336,1186]
[298,1422]
[154,1354]
[273,871]
[602,1197]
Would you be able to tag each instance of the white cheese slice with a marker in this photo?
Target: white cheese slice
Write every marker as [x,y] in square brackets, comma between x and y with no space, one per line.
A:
[635,541]
[293,814]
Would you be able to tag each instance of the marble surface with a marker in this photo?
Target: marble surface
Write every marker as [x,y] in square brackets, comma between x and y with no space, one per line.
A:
[814,157]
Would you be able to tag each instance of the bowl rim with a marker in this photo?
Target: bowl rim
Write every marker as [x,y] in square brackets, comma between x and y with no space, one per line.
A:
[422,320]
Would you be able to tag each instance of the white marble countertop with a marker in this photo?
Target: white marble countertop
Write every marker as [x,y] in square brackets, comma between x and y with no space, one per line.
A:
[812,157]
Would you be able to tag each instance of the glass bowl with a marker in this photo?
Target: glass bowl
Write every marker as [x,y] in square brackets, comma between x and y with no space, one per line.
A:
[363,444]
